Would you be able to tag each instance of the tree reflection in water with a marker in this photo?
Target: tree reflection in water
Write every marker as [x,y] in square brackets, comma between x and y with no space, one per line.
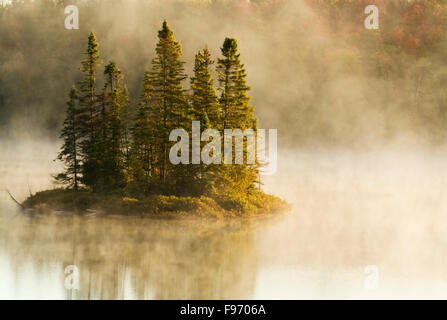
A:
[123,257]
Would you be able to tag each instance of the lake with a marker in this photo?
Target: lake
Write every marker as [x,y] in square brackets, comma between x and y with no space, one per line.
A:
[364,225]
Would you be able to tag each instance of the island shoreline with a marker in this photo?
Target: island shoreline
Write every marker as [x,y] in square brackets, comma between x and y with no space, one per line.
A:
[83,202]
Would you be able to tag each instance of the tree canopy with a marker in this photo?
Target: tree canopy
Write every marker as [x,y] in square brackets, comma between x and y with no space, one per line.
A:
[108,148]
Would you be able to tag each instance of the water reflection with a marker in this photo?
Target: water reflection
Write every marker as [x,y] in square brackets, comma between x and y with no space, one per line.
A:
[351,210]
[134,258]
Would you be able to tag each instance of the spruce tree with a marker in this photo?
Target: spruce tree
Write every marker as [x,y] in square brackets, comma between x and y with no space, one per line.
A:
[168,95]
[204,98]
[88,114]
[87,92]
[234,100]
[204,108]
[237,113]
[117,125]
[70,150]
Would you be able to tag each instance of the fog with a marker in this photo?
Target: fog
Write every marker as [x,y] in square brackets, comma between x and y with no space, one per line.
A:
[361,159]
[350,210]
[311,79]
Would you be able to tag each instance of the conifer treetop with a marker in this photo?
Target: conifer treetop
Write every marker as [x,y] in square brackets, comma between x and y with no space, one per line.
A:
[165,31]
[111,68]
[93,45]
[229,47]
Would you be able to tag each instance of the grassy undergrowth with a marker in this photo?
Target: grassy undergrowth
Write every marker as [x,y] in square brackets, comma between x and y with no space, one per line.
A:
[154,205]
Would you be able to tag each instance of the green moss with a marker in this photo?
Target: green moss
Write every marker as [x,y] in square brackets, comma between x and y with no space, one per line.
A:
[154,205]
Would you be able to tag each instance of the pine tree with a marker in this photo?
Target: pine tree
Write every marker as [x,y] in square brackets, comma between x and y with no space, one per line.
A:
[168,95]
[88,114]
[237,113]
[117,125]
[87,92]
[234,101]
[204,108]
[69,153]
[204,98]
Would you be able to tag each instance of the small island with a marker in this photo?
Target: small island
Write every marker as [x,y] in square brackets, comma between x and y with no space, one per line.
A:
[65,201]
[118,156]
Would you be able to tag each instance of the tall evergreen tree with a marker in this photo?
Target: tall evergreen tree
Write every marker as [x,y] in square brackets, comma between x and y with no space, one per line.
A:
[117,139]
[89,112]
[234,100]
[204,108]
[204,98]
[87,92]
[237,113]
[168,94]
[70,151]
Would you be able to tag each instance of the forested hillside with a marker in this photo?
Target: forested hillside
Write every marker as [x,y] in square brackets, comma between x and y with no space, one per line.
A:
[316,73]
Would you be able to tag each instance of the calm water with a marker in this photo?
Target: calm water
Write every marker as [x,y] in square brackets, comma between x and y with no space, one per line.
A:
[349,211]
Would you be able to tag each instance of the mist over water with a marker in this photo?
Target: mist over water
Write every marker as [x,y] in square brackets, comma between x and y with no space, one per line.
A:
[350,210]
[383,208]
